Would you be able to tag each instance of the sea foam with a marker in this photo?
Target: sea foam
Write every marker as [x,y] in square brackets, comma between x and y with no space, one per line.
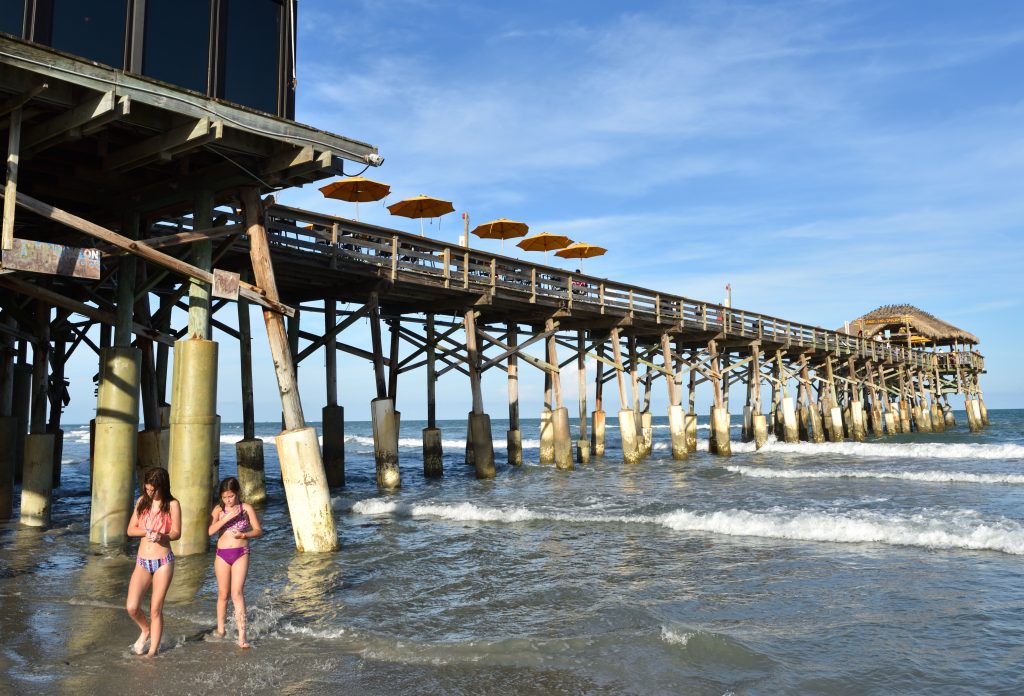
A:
[900,450]
[925,476]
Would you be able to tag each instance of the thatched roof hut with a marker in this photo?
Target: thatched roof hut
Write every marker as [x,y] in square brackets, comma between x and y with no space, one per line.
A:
[905,322]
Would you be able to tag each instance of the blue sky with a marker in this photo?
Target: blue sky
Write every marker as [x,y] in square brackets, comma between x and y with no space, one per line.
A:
[823,157]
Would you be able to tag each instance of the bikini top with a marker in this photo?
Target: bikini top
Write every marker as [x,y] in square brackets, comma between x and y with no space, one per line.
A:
[240,523]
[158,521]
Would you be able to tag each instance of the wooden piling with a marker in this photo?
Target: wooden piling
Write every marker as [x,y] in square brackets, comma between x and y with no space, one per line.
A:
[676,422]
[333,414]
[433,449]
[479,422]
[583,442]
[598,416]
[690,419]
[249,450]
[382,412]
[302,469]
[718,437]
[627,419]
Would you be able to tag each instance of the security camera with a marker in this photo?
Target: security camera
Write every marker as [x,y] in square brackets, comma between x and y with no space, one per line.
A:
[374,159]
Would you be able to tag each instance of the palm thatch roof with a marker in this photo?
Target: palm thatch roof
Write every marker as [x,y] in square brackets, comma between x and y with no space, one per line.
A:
[904,322]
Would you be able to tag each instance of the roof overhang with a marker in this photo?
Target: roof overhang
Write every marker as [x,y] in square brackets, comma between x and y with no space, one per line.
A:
[97,141]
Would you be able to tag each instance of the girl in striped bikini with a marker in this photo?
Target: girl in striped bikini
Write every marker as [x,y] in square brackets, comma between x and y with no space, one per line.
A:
[237,523]
[157,519]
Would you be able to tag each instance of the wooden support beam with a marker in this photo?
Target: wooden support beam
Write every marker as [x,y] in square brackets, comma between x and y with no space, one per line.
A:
[263,272]
[58,300]
[88,116]
[192,236]
[378,349]
[17,101]
[252,293]
[332,333]
[11,182]
[165,146]
[516,349]
[539,364]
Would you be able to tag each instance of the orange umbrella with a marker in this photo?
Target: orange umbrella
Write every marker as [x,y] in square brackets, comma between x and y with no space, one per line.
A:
[421,207]
[580,250]
[356,189]
[502,229]
[545,241]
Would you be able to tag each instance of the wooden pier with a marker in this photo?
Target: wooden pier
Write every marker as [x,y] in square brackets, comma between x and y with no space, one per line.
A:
[140,198]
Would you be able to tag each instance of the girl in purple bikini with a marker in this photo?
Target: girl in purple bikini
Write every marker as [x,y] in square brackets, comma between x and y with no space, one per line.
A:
[237,523]
[157,519]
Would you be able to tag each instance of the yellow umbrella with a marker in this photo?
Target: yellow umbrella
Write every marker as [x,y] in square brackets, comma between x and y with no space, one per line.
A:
[356,189]
[581,250]
[502,229]
[421,207]
[545,241]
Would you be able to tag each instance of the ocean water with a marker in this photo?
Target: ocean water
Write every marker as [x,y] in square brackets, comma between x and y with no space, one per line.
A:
[893,566]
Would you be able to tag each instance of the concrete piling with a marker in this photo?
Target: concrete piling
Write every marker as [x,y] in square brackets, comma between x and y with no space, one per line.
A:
[8,430]
[760,425]
[433,453]
[690,420]
[192,444]
[385,443]
[790,430]
[677,429]
[647,429]
[562,438]
[628,436]
[547,437]
[720,432]
[334,444]
[37,482]
[305,487]
[116,445]
[597,434]
[251,475]
[483,445]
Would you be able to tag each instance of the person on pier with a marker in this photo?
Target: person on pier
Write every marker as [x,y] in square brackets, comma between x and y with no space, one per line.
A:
[237,523]
[157,519]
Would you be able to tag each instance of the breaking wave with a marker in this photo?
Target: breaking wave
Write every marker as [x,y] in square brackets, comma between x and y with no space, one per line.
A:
[955,530]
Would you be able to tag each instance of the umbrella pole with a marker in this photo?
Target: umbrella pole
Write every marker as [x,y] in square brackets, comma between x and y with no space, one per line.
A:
[357,211]
[421,227]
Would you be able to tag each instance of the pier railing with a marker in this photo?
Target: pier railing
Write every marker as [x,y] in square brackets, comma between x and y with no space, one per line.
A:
[412,258]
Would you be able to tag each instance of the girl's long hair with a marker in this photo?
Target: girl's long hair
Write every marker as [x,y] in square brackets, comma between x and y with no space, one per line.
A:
[229,484]
[161,483]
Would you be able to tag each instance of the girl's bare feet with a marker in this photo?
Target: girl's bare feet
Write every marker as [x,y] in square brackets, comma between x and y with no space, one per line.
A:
[244,645]
[140,645]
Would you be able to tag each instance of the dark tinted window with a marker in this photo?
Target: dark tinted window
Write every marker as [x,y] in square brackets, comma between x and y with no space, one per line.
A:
[176,45]
[12,13]
[251,51]
[90,28]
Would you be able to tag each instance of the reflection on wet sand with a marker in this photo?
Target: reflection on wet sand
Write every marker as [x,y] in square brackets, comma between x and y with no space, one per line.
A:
[96,623]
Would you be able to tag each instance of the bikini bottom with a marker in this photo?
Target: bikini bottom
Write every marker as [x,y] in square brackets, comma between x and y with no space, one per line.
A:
[232,555]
